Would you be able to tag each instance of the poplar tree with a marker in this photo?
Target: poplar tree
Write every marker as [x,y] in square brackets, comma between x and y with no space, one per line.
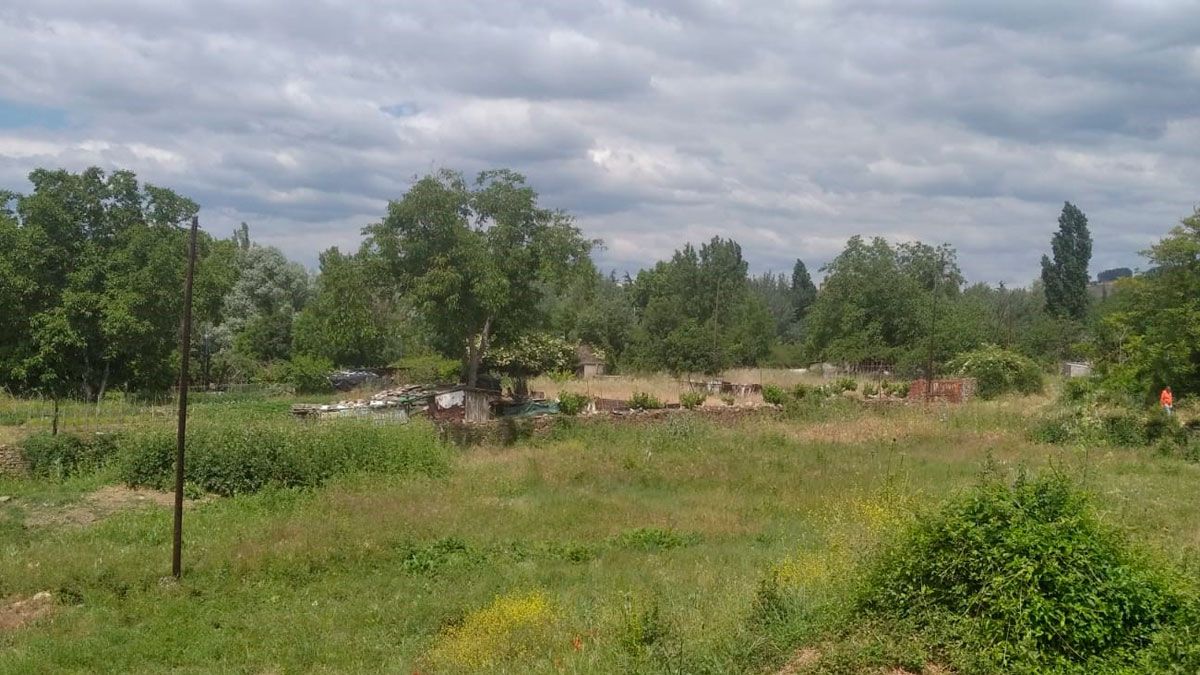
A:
[1066,276]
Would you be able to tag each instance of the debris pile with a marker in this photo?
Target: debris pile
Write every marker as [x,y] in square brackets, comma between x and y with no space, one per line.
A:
[723,387]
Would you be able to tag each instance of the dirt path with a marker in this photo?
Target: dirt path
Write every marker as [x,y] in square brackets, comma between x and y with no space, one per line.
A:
[96,506]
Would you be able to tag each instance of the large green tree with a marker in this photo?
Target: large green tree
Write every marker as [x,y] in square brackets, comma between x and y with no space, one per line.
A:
[890,305]
[698,313]
[1065,276]
[1150,334]
[353,318]
[90,271]
[475,259]
[258,311]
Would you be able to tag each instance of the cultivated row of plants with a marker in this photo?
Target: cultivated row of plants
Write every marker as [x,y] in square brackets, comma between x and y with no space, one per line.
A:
[244,458]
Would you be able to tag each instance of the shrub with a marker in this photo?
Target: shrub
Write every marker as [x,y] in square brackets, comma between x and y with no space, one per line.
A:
[692,399]
[845,384]
[229,460]
[1021,578]
[728,399]
[869,389]
[644,401]
[773,395]
[1078,389]
[427,369]
[998,371]
[309,374]
[1114,426]
[570,403]
[65,455]
[802,391]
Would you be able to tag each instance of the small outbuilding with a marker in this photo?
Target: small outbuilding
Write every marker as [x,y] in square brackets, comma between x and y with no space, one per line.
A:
[1076,369]
[588,365]
[466,404]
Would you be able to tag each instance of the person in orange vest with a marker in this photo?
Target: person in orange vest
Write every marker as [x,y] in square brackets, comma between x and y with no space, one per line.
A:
[1167,400]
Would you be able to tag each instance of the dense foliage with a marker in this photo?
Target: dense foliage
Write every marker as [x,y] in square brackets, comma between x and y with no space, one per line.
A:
[475,260]
[239,459]
[1022,578]
[66,455]
[1149,334]
[90,271]
[998,371]
[481,273]
[1065,276]
[697,314]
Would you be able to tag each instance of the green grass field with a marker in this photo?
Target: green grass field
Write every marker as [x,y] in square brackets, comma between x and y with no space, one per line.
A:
[596,549]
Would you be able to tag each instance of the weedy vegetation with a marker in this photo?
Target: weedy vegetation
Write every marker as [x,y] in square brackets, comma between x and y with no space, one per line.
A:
[831,536]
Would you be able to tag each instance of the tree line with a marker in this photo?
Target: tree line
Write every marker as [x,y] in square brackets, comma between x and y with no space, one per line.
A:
[479,271]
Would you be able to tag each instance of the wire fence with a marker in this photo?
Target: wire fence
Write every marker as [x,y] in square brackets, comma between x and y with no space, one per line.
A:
[24,416]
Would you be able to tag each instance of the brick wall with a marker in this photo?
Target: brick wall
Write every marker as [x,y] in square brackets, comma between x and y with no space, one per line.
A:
[12,462]
[958,390]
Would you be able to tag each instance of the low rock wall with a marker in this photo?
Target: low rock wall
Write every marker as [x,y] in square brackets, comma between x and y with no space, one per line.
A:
[12,462]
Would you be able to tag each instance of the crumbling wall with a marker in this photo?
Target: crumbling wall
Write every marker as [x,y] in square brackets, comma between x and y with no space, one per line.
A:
[12,462]
[957,390]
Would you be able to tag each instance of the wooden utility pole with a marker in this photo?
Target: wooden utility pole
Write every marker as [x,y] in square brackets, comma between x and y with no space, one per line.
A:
[933,326]
[185,351]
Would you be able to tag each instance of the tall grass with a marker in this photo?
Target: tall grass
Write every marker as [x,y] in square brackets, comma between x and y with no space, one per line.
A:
[236,459]
[680,546]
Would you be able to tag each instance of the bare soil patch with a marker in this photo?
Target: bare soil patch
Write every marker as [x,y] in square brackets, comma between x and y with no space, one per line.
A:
[97,505]
[19,612]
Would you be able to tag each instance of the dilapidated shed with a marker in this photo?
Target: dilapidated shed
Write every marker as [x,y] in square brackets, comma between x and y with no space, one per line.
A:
[468,404]
[588,365]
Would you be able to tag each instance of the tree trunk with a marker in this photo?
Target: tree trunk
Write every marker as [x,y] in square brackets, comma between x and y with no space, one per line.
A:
[475,353]
[103,384]
[54,421]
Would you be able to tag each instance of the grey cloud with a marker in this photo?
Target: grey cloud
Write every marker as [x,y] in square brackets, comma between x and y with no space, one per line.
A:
[786,125]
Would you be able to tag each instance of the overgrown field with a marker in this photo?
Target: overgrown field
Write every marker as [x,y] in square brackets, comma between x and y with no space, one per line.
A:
[806,541]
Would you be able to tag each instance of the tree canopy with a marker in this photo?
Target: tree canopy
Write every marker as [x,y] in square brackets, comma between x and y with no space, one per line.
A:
[91,265]
[475,259]
[1065,276]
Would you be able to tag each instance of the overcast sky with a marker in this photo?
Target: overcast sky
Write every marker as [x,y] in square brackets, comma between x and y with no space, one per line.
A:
[788,126]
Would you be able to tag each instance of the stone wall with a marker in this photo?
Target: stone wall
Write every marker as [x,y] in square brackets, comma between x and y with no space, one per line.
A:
[12,462]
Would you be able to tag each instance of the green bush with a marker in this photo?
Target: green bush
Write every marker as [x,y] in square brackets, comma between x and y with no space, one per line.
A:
[869,389]
[1021,578]
[309,374]
[570,403]
[692,399]
[802,391]
[237,459]
[1078,389]
[773,395]
[728,399]
[65,455]
[644,401]
[998,371]
[427,369]
[845,384]
[1113,426]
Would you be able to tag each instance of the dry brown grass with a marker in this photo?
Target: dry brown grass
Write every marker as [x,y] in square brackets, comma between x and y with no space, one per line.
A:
[667,388]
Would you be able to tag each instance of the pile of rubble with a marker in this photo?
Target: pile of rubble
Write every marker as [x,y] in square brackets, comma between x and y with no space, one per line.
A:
[408,399]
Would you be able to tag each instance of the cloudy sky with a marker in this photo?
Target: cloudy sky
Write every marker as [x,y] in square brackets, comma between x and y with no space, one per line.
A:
[787,125]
